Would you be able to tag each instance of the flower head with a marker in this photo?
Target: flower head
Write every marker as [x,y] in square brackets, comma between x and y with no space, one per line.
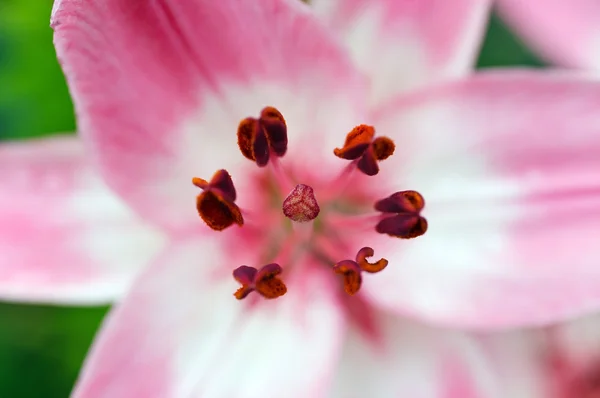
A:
[264,93]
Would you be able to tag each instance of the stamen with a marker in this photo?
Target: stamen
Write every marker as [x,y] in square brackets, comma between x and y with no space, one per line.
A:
[357,142]
[361,259]
[301,204]
[258,138]
[407,222]
[245,276]
[360,145]
[383,148]
[339,184]
[252,141]
[351,270]
[263,281]
[274,125]
[216,204]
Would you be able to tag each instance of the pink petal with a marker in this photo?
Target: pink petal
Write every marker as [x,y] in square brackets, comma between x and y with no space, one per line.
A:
[518,362]
[161,86]
[561,361]
[64,237]
[567,32]
[181,333]
[406,44]
[578,339]
[412,360]
[509,166]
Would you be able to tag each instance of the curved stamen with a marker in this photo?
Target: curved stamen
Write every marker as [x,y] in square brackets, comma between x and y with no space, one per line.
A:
[351,270]
[361,259]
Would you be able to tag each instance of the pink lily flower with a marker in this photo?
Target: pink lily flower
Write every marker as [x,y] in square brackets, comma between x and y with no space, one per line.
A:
[565,32]
[559,361]
[168,91]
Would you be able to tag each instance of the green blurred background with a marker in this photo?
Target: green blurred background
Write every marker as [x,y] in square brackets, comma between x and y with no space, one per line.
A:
[42,347]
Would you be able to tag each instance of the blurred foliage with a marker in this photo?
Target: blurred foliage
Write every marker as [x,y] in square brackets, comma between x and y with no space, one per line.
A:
[42,347]
[33,96]
[502,48]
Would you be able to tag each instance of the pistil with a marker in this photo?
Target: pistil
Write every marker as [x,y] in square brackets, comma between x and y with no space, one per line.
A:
[264,140]
[301,205]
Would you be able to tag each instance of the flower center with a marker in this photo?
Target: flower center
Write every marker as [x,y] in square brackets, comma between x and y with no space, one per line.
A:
[310,219]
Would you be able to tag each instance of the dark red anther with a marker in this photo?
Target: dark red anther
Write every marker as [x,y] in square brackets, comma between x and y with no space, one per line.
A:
[361,145]
[351,270]
[258,138]
[301,204]
[216,203]
[276,130]
[402,215]
[264,281]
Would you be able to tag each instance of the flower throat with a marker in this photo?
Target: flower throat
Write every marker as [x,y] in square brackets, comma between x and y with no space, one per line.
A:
[264,141]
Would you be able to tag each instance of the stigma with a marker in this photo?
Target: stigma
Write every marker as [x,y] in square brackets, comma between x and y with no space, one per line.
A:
[301,204]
